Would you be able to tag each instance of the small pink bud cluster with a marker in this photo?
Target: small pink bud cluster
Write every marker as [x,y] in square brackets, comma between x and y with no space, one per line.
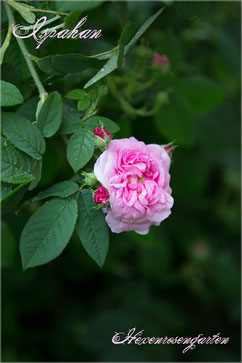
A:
[101,196]
[160,60]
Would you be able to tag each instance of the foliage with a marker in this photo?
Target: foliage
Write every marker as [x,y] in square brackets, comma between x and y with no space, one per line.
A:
[27,136]
[182,278]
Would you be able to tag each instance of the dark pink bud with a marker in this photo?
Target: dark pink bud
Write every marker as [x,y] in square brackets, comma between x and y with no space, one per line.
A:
[169,149]
[107,132]
[101,196]
[102,132]
[160,60]
[99,132]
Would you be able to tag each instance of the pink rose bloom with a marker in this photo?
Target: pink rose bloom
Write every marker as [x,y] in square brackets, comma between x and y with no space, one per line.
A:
[101,196]
[137,178]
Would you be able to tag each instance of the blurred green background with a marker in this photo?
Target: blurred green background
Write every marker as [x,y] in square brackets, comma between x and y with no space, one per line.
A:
[183,278]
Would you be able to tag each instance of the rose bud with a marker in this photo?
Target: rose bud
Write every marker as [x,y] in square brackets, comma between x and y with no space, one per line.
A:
[102,136]
[101,196]
[160,60]
[169,149]
[89,178]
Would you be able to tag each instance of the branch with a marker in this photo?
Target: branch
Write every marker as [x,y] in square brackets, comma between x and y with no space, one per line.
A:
[42,92]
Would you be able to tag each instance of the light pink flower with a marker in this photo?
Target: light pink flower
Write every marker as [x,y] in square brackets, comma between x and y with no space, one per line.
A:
[137,178]
[101,196]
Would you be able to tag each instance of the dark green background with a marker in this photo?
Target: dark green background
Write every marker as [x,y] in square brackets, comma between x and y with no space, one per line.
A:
[183,278]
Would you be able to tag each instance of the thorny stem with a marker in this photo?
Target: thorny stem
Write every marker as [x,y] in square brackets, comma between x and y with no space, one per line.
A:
[42,92]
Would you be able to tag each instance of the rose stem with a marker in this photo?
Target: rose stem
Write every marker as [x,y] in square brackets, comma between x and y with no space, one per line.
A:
[42,92]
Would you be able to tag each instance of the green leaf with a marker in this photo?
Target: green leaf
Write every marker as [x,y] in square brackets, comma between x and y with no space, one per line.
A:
[23,134]
[191,9]
[142,29]
[76,94]
[67,63]
[72,19]
[71,117]
[47,232]
[3,17]
[6,43]
[81,5]
[111,64]
[45,65]
[71,124]
[74,63]
[92,228]
[99,121]
[37,172]
[28,109]
[83,104]
[10,204]
[92,94]
[82,97]
[16,166]
[50,114]
[80,149]
[203,93]
[10,192]
[109,67]
[6,189]
[10,94]
[120,55]
[62,190]
[127,33]
[176,120]
[14,57]
[24,10]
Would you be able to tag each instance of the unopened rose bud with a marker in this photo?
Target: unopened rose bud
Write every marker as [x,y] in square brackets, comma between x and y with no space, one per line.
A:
[169,149]
[102,136]
[160,60]
[101,196]
[89,178]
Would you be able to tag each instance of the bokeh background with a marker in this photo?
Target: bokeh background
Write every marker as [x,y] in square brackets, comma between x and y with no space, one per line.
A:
[183,278]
